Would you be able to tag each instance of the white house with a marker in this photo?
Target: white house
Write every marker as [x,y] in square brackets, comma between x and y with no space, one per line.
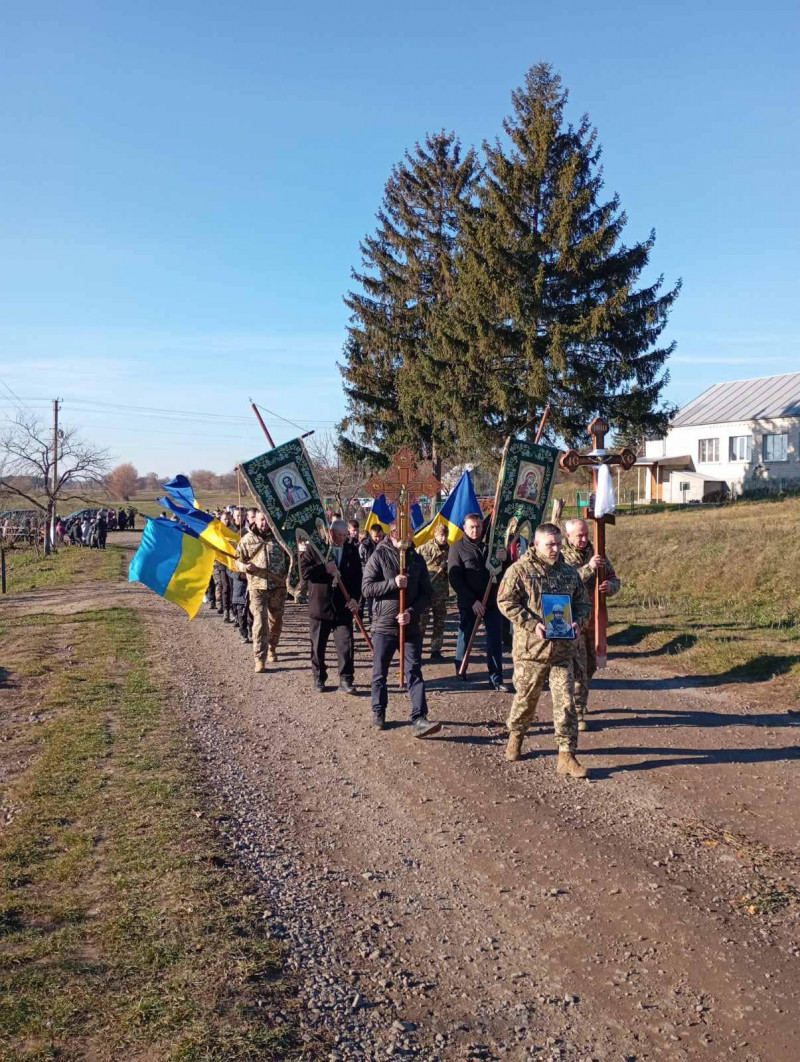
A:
[736,435]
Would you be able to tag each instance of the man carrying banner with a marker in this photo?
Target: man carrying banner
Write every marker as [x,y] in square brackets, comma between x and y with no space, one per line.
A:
[435,553]
[536,657]
[382,583]
[579,552]
[266,564]
[469,576]
[329,611]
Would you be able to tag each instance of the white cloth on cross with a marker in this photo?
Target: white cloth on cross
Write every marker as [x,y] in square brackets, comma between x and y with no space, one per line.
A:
[604,503]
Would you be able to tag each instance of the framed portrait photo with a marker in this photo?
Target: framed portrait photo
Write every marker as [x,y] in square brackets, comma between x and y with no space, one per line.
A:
[557,609]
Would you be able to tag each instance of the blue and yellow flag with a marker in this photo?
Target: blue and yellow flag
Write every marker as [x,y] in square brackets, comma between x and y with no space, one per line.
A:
[182,491]
[417,517]
[222,539]
[174,563]
[381,515]
[461,501]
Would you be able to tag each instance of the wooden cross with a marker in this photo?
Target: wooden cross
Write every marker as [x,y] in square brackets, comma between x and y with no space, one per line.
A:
[402,483]
[571,461]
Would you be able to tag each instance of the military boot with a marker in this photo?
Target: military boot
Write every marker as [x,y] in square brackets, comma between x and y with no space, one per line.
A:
[260,666]
[227,617]
[584,724]
[568,765]
[514,747]
[272,656]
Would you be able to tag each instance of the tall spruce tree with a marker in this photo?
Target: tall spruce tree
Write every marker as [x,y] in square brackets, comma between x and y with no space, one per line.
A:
[407,278]
[547,308]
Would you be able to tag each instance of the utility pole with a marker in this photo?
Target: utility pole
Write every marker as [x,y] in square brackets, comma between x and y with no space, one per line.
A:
[51,532]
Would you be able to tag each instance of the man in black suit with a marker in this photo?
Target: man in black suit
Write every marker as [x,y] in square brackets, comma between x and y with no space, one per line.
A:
[329,611]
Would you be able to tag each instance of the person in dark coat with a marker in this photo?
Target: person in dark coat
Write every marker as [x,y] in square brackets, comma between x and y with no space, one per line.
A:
[243,617]
[469,577]
[382,583]
[366,548]
[329,613]
[122,520]
[102,530]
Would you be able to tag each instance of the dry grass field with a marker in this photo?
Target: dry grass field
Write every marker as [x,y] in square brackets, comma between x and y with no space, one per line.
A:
[712,591]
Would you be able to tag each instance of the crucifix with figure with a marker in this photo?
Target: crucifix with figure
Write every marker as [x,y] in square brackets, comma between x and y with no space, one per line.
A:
[403,483]
[571,461]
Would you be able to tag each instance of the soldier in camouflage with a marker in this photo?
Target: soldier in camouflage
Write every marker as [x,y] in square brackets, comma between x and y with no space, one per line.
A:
[542,570]
[579,553]
[434,553]
[267,565]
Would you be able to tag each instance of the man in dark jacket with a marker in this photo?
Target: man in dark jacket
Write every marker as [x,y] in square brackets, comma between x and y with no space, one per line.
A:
[382,584]
[469,577]
[329,611]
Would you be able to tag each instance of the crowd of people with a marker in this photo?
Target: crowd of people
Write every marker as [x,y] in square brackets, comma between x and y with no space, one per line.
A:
[90,528]
[360,582]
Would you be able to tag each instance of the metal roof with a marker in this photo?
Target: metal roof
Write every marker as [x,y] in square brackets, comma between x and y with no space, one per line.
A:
[766,397]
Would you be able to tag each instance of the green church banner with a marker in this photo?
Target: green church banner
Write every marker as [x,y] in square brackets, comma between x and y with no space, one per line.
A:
[526,480]
[283,482]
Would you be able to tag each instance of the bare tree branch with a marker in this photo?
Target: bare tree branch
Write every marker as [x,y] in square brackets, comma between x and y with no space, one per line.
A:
[26,463]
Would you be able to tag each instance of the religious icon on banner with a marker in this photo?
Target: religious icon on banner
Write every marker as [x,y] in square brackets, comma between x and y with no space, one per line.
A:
[288,484]
[283,481]
[557,609]
[529,482]
[526,479]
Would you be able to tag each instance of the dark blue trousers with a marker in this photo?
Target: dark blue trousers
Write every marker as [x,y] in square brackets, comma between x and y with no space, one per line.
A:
[493,621]
[385,646]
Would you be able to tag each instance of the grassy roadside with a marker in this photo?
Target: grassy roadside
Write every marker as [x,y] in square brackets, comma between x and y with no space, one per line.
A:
[712,592]
[126,933]
[27,569]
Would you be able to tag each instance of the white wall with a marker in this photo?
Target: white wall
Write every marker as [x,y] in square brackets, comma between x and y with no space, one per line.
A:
[685,441]
[699,486]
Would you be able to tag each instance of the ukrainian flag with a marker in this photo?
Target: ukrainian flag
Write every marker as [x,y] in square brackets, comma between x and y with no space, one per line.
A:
[461,501]
[212,531]
[381,514]
[417,516]
[174,563]
[182,491]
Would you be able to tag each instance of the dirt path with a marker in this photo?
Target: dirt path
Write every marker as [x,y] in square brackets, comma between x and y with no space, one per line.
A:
[443,903]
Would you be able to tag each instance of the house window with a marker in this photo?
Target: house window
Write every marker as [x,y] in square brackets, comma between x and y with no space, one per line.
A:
[708,451]
[741,447]
[776,447]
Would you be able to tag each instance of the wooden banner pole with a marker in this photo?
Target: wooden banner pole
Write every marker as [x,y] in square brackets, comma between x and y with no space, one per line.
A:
[260,420]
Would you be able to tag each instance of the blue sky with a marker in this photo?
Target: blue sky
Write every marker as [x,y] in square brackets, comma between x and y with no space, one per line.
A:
[185,186]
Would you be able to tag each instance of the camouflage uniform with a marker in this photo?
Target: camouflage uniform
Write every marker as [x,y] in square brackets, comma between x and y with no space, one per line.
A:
[537,659]
[435,557]
[586,661]
[267,587]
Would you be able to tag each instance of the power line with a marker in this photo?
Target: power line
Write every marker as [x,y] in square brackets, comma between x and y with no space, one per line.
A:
[293,424]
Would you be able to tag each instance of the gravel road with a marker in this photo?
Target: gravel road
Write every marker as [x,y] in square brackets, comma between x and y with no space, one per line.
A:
[442,903]
[438,902]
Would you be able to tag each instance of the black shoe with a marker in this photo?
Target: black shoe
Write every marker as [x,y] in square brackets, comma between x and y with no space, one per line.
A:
[425,727]
[436,654]
[319,685]
[499,687]
[378,721]
[464,678]
[346,687]
[249,639]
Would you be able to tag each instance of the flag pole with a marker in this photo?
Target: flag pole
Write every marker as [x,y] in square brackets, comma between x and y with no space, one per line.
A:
[260,420]
[493,578]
